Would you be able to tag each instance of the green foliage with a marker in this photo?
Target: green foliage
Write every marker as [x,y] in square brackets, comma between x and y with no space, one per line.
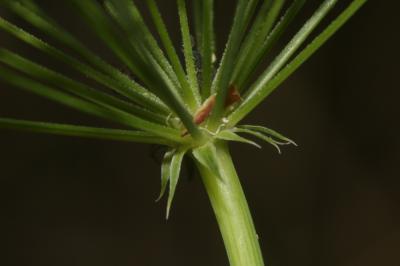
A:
[165,172]
[229,135]
[174,172]
[164,100]
[84,131]
[163,103]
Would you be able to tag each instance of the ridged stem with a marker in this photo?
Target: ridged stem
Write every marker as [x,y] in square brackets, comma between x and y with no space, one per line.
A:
[232,212]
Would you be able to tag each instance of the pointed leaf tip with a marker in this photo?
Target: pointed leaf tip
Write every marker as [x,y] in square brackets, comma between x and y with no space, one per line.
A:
[260,135]
[232,136]
[165,172]
[174,171]
[272,133]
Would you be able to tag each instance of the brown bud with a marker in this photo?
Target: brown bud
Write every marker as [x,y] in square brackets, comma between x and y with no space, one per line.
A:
[233,95]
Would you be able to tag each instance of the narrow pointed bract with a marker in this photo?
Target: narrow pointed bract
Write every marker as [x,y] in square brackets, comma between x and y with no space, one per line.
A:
[266,135]
[165,172]
[174,173]
[229,135]
[270,132]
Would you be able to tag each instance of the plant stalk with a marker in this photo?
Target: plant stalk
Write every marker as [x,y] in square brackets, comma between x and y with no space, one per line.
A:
[232,212]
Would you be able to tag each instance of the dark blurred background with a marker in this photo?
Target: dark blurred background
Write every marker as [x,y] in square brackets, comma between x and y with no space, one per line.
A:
[334,200]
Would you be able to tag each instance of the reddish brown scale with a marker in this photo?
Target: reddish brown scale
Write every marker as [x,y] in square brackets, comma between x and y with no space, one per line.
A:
[205,110]
[233,96]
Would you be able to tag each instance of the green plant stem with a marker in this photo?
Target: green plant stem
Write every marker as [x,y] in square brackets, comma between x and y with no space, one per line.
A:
[256,97]
[83,131]
[232,212]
